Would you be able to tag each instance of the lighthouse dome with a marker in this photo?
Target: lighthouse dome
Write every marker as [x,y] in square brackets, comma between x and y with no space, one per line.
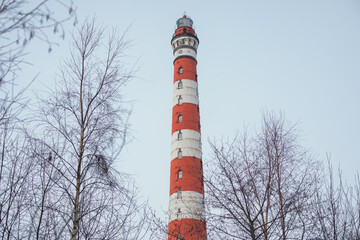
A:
[185,21]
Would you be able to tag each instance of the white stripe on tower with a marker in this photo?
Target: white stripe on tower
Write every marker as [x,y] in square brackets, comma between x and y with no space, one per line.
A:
[190,144]
[191,204]
[187,94]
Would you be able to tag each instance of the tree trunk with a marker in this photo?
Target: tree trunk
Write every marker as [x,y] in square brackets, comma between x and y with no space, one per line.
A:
[77,191]
[280,197]
[81,150]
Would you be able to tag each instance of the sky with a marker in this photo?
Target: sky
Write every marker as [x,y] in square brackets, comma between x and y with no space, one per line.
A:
[298,57]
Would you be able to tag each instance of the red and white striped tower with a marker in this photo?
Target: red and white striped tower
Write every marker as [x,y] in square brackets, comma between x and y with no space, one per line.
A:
[186,207]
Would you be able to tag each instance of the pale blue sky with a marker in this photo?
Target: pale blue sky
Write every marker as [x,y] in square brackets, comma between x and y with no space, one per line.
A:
[300,57]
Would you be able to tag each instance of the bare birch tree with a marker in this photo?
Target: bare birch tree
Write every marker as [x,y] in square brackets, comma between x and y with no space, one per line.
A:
[21,21]
[259,186]
[88,118]
[337,207]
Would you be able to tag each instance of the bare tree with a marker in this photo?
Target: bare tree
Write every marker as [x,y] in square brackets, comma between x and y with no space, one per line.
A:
[259,186]
[337,208]
[88,118]
[15,171]
[21,21]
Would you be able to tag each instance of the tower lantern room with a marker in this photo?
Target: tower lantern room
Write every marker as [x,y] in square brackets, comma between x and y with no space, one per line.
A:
[184,22]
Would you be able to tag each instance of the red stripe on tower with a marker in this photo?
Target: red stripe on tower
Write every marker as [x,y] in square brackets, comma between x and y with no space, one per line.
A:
[186,207]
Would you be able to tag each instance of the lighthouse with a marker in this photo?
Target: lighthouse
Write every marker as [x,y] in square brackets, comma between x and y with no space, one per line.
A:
[186,205]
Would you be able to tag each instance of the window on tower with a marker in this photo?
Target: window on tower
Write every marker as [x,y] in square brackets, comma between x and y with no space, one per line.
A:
[179,154]
[178,215]
[179,174]
[181,70]
[180,84]
[179,100]
[180,118]
[178,195]
[179,137]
